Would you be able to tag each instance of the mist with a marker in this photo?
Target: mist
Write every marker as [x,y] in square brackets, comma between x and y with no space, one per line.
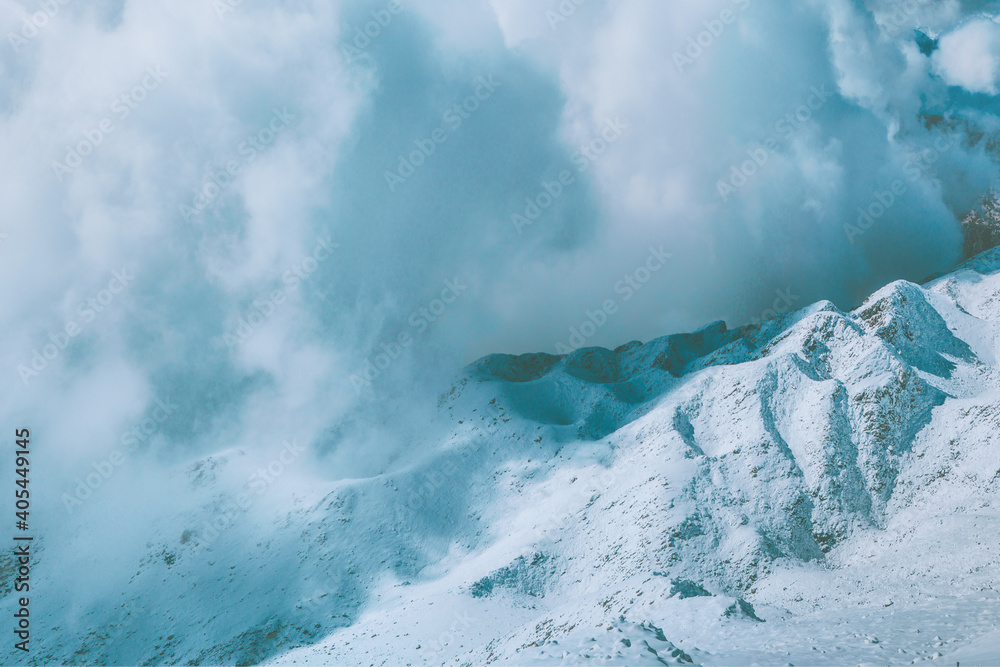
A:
[302,220]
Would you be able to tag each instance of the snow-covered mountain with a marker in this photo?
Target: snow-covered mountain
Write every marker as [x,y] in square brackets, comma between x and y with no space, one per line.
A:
[819,489]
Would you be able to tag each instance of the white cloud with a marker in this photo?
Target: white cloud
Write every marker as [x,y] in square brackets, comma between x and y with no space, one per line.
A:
[753,71]
[970,56]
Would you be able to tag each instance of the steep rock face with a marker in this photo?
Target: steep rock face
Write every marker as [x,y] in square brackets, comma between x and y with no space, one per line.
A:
[902,317]
[981,227]
[792,433]
[782,441]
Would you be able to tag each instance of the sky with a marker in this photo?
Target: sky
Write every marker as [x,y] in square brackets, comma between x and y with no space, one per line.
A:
[301,219]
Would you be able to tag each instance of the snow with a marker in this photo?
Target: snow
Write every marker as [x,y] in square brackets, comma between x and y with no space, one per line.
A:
[820,489]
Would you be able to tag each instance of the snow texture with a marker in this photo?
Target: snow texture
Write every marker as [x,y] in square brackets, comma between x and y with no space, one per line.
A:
[818,489]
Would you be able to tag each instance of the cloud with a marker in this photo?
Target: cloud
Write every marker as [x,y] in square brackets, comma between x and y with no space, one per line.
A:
[487,176]
[704,86]
[533,154]
[970,56]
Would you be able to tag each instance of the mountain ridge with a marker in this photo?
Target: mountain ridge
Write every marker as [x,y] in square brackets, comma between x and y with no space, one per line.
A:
[784,492]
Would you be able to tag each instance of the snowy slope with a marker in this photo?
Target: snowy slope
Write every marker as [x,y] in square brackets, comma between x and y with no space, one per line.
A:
[820,489]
